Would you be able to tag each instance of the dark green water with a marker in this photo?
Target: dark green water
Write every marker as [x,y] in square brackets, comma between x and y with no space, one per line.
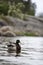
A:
[31,54]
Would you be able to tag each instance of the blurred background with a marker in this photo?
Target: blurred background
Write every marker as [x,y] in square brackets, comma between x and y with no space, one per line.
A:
[21,17]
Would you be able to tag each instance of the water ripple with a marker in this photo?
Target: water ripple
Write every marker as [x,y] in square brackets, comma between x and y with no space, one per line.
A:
[31,54]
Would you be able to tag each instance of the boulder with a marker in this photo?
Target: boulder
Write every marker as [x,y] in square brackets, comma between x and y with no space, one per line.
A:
[7,31]
[9,34]
[6,28]
[3,23]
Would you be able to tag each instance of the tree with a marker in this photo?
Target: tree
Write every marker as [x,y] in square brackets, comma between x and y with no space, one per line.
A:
[23,6]
[27,5]
[4,8]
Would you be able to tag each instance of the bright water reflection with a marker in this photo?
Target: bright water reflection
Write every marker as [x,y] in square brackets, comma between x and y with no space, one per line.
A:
[31,54]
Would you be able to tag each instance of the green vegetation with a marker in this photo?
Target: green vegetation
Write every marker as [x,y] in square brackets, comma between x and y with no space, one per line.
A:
[25,34]
[4,8]
[30,34]
[17,8]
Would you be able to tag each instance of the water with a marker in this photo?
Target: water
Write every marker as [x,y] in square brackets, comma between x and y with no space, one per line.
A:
[31,54]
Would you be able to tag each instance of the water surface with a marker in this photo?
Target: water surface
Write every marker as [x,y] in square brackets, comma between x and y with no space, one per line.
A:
[31,54]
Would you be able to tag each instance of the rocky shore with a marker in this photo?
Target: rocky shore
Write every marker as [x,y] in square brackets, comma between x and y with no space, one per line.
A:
[10,26]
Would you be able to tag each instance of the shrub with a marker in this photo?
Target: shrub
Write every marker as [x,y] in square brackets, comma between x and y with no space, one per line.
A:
[4,8]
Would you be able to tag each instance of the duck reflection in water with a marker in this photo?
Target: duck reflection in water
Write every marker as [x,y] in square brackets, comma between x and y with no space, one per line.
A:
[15,47]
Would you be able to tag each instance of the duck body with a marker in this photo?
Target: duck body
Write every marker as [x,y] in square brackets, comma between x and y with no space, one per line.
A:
[18,49]
[11,48]
[14,48]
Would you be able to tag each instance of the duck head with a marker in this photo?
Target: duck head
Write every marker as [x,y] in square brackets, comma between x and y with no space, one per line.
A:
[17,41]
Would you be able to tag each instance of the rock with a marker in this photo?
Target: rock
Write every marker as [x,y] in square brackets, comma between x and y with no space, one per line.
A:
[3,23]
[31,25]
[6,28]
[9,34]
[7,31]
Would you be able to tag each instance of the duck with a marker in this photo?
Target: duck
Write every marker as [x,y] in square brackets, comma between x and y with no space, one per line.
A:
[18,47]
[11,47]
[15,47]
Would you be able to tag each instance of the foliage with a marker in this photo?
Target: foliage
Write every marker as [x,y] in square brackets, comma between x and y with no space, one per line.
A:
[4,8]
[16,10]
[25,34]
[17,7]
[30,34]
